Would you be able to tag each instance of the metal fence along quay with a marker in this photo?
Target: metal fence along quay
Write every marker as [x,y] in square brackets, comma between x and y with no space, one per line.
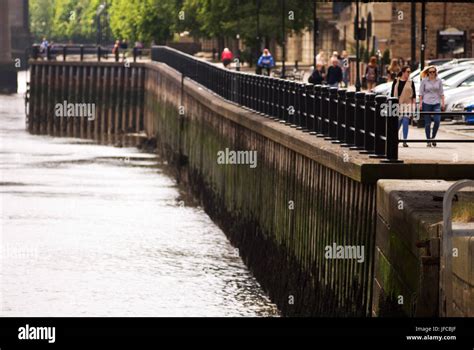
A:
[351,119]
[355,120]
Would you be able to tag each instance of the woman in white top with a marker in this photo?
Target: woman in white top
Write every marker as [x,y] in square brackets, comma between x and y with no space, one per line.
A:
[431,100]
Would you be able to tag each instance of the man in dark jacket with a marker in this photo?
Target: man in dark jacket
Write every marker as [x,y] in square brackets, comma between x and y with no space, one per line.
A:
[317,77]
[334,76]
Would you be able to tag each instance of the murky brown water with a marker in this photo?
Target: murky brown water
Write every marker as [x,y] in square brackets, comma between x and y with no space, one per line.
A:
[92,230]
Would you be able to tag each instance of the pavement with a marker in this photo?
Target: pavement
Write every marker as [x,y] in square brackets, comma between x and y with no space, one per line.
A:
[444,152]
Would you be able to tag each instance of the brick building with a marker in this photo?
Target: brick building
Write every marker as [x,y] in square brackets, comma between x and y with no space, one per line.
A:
[391,29]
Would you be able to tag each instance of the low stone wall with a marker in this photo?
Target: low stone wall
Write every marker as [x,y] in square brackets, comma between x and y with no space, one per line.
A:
[407,255]
[302,199]
[281,214]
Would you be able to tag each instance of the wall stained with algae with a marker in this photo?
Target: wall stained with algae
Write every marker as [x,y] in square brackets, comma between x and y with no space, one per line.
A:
[115,90]
[281,214]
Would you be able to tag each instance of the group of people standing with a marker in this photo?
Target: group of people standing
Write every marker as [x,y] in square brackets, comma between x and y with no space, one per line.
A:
[337,72]
[431,88]
[431,100]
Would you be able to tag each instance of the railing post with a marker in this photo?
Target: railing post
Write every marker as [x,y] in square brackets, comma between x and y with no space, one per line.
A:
[349,119]
[299,105]
[332,114]
[324,111]
[359,125]
[292,104]
[341,116]
[265,96]
[317,110]
[369,135]
[275,92]
[117,56]
[82,52]
[285,101]
[48,53]
[309,108]
[135,54]
[98,53]
[379,127]
[391,136]
[64,52]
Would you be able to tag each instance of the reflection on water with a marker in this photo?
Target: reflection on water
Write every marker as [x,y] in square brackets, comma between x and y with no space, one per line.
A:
[91,230]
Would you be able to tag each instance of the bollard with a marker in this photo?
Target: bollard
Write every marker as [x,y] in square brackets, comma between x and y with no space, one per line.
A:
[98,53]
[391,137]
[117,55]
[135,54]
[332,114]
[64,52]
[341,116]
[48,53]
[349,118]
[379,127]
[82,52]
[369,124]
[359,125]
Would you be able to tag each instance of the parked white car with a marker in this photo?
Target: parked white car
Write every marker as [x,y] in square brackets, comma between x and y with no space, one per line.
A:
[454,96]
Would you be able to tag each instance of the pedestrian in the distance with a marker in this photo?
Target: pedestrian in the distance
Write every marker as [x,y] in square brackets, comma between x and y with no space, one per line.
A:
[431,100]
[116,49]
[404,88]
[371,73]
[317,77]
[266,62]
[226,57]
[334,76]
[393,70]
[44,47]
[321,58]
[124,47]
[345,68]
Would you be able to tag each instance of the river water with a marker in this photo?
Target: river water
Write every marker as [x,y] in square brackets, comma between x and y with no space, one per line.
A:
[94,230]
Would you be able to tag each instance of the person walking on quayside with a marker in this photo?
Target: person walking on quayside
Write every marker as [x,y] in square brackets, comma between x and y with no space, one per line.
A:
[404,88]
[266,62]
[431,100]
[226,57]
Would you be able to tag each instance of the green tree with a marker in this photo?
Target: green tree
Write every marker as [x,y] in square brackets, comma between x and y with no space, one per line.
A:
[41,17]
[144,20]
[64,20]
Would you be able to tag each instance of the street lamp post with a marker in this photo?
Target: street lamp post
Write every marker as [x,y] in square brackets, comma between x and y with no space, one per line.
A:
[283,46]
[413,36]
[99,12]
[356,29]
[423,35]
[315,33]
[259,43]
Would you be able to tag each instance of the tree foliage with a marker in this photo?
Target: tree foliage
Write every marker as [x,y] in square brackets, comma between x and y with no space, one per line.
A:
[158,20]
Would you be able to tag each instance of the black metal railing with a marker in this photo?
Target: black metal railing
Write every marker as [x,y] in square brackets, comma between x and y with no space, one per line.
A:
[350,119]
[98,52]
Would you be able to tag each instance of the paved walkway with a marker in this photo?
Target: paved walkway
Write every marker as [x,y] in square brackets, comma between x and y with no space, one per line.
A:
[444,152]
